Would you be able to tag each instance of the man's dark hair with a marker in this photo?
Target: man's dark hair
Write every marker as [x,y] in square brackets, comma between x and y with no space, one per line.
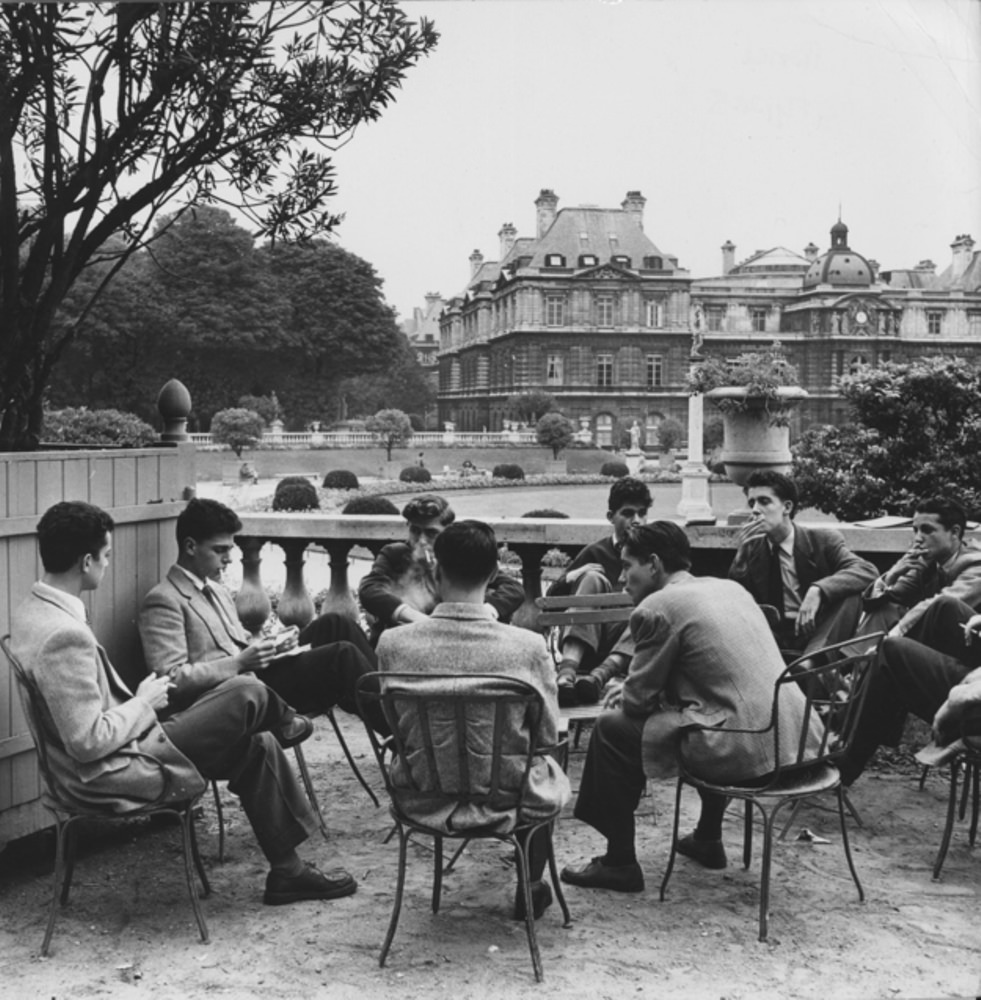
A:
[466,552]
[628,490]
[427,507]
[663,539]
[784,488]
[202,519]
[69,530]
[949,512]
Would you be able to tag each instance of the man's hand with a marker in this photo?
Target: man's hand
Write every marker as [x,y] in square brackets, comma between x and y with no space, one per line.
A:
[972,628]
[755,527]
[614,695]
[581,571]
[155,690]
[256,656]
[809,608]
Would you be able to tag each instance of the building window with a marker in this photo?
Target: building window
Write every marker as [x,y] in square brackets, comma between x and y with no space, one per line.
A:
[757,318]
[604,310]
[974,325]
[653,263]
[714,315]
[622,259]
[655,371]
[553,369]
[554,310]
[554,260]
[654,310]
[604,431]
[934,320]
[588,260]
[604,370]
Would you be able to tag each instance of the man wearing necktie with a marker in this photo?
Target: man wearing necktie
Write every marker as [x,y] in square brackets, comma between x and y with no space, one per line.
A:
[808,574]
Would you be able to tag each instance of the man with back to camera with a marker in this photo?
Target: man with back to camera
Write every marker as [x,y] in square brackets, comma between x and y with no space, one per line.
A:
[462,636]
[191,631]
[809,575]
[704,660]
[593,654]
[233,732]
[401,585]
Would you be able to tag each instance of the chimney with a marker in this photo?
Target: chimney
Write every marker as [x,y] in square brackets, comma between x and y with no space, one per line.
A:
[432,301]
[634,204]
[874,268]
[507,235]
[811,252]
[546,203]
[926,266]
[963,251]
[476,259]
[728,256]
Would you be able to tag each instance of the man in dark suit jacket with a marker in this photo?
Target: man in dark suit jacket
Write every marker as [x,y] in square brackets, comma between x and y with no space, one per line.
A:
[401,585]
[94,723]
[191,632]
[808,574]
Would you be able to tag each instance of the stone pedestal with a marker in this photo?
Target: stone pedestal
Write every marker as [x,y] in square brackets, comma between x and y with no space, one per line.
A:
[695,505]
[635,461]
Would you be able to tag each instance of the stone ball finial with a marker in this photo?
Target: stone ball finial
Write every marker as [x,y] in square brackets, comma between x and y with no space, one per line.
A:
[174,406]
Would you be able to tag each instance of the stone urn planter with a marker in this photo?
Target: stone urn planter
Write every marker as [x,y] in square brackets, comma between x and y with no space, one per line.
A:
[757,431]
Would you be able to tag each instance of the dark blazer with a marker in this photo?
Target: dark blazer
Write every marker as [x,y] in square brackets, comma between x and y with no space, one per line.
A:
[603,552]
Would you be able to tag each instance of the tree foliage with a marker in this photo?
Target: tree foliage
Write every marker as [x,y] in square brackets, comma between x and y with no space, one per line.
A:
[670,433]
[555,431]
[238,428]
[392,427]
[915,431]
[530,407]
[78,425]
[109,114]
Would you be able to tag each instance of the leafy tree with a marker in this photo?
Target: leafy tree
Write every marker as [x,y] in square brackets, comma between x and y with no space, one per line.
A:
[238,428]
[392,427]
[109,114]
[555,431]
[78,425]
[268,407]
[531,406]
[915,431]
[403,384]
[670,433]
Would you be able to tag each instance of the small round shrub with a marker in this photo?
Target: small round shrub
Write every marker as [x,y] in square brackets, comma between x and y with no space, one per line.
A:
[616,469]
[507,470]
[415,474]
[370,506]
[300,494]
[545,512]
[340,479]
[292,481]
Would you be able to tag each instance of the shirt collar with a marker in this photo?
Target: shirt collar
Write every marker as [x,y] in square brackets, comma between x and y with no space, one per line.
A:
[453,609]
[787,545]
[196,580]
[75,606]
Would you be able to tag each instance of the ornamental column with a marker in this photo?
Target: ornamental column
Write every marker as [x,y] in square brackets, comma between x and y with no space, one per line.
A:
[695,505]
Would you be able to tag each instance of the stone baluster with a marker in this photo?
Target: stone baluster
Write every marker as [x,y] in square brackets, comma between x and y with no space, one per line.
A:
[252,602]
[339,598]
[295,604]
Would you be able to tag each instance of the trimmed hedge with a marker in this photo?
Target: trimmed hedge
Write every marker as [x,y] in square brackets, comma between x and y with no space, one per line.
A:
[508,470]
[415,474]
[546,512]
[380,506]
[616,469]
[295,493]
[340,479]
[78,425]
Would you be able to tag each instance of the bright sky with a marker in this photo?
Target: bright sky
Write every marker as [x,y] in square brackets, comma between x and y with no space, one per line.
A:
[747,120]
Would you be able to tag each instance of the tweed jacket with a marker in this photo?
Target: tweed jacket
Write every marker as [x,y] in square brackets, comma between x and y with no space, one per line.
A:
[914,585]
[821,560]
[706,660]
[184,636]
[464,638]
[93,724]
[396,578]
[603,552]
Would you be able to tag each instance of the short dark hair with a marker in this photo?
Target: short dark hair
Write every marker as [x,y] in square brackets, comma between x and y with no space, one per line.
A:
[69,530]
[466,552]
[949,512]
[202,519]
[628,490]
[663,539]
[784,488]
[427,507]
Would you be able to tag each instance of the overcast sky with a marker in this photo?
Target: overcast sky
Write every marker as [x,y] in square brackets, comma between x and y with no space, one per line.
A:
[746,120]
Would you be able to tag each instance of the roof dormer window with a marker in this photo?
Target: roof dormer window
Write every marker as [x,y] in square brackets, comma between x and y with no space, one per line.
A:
[554,260]
[622,259]
[653,263]
[588,260]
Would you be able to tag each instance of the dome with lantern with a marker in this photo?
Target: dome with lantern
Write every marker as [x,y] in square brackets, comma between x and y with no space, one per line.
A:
[840,266]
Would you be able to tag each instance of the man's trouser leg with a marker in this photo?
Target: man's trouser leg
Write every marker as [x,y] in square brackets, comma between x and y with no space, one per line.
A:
[225,735]
[940,629]
[598,640]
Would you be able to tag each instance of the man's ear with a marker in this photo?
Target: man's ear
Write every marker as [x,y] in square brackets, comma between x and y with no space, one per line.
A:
[609,515]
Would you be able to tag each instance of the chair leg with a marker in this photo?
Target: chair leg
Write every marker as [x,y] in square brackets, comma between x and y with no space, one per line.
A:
[191,851]
[768,819]
[923,776]
[456,854]
[70,847]
[850,806]
[350,759]
[674,840]
[399,891]
[525,880]
[437,872]
[198,863]
[949,825]
[975,769]
[220,813]
[301,763]
[785,829]
[842,800]
[965,788]
[553,872]
[747,834]
[59,894]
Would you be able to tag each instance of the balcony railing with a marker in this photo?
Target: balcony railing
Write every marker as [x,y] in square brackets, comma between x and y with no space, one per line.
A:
[363,439]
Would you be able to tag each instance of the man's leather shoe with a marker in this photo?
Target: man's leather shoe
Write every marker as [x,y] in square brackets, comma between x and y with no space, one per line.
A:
[565,678]
[294,732]
[708,853]
[588,689]
[311,883]
[596,875]
[541,900]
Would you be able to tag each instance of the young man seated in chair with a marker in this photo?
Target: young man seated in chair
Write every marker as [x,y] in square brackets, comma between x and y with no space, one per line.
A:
[235,732]
[591,655]
[461,636]
[704,660]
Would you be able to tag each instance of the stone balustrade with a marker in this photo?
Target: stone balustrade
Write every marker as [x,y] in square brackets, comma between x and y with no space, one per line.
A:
[529,538]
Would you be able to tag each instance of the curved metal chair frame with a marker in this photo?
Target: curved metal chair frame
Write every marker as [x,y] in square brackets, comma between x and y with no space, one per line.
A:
[968,762]
[846,676]
[453,773]
[67,812]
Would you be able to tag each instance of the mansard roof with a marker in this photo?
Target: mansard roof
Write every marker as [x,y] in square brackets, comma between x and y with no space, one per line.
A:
[773,260]
[969,280]
[604,232]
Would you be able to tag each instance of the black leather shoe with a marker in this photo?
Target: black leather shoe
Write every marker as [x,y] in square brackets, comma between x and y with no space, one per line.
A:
[708,853]
[541,900]
[565,678]
[294,732]
[596,875]
[311,883]
[588,690]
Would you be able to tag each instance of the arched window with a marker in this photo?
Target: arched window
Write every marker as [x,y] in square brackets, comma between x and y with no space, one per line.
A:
[604,431]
